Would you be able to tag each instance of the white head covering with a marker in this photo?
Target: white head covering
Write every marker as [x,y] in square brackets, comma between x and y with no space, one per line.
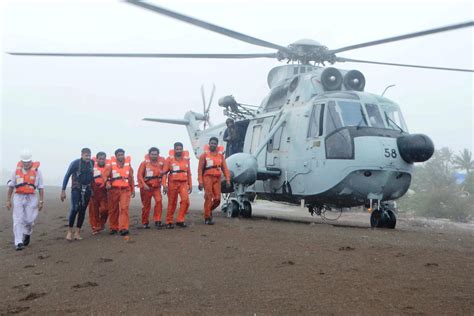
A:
[26,155]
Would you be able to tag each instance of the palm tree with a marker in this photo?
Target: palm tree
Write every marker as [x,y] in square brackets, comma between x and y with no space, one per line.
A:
[446,156]
[463,161]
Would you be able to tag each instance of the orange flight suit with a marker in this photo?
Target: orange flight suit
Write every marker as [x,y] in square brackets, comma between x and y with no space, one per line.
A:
[149,173]
[210,169]
[98,210]
[121,179]
[179,181]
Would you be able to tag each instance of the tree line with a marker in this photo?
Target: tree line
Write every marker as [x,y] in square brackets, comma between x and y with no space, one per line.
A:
[443,187]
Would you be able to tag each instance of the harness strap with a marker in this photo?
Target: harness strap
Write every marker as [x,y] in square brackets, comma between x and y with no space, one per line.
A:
[23,184]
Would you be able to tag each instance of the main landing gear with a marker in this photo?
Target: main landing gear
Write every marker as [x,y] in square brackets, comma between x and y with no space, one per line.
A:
[237,204]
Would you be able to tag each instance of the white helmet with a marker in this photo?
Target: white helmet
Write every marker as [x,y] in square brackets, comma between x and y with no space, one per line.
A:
[26,155]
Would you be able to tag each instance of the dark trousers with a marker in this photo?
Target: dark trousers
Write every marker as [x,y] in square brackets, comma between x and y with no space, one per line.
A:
[79,201]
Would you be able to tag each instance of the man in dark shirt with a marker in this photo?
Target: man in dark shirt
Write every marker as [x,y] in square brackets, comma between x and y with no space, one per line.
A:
[81,171]
[234,138]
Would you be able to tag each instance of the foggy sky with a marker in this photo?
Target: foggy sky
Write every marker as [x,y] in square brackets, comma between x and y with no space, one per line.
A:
[56,106]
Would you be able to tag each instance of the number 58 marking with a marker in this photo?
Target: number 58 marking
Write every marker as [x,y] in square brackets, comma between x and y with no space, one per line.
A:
[390,153]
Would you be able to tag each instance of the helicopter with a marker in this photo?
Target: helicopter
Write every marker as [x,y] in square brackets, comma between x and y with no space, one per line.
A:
[317,139]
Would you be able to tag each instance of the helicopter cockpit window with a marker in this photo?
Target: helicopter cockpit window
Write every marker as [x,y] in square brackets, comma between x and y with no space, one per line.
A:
[277,98]
[344,113]
[393,117]
[375,118]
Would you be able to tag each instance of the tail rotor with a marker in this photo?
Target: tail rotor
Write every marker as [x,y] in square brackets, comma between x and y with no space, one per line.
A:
[207,107]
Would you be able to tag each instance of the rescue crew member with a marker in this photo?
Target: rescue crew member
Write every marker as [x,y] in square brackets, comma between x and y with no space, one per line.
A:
[211,166]
[177,182]
[121,187]
[25,181]
[234,138]
[149,180]
[98,209]
[82,174]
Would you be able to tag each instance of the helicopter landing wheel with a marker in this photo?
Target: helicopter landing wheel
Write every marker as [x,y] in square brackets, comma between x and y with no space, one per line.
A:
[378,219]
[224,207]
[246,211]
[233,209]
[391,220]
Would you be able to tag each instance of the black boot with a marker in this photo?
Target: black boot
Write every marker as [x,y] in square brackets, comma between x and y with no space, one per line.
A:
[19,247]
[124,232]
[26,240]
[158,225]
[169,226]
[181,224]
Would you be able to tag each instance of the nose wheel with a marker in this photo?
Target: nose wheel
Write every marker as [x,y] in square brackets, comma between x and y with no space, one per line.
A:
[383,217]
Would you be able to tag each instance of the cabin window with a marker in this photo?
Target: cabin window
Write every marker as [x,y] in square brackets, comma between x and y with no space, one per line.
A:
[375,118]
[277,98]
[274,143]
[314,128]
[344,113]
[257,130]
[393,117]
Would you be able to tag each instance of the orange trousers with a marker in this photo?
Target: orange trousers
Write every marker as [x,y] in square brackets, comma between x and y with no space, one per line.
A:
[119,202]
[98,209]
[146,196]
[176,188]
[212,194]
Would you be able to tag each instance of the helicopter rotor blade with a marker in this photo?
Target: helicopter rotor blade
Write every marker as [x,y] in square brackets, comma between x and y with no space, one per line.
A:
[342,59]
[210,56]
[208,26]
[403,37]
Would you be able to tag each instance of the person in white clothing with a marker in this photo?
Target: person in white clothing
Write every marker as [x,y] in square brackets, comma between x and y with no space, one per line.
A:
[25,181]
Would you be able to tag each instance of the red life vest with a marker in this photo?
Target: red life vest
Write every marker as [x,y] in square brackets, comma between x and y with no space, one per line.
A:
[178,168]
[152,174]
[119,176]
[214,161]
[25,182]
[99,171]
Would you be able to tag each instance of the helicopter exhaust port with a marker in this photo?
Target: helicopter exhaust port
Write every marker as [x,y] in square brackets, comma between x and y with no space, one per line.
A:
[415,147]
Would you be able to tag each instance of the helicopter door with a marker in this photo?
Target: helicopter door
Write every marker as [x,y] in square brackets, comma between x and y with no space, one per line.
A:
[314,138]
[274,148]
[260,129]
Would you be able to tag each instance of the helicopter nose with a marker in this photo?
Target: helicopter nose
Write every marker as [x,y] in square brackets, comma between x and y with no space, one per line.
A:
[415,147]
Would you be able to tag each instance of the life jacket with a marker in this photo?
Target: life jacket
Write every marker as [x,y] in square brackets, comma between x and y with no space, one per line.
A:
[119,176]
[214,161]
[25,182]
[178,168]
[153,175]
[99,171]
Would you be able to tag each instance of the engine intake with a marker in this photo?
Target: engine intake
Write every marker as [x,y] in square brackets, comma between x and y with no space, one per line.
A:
[331,79]
[354,80]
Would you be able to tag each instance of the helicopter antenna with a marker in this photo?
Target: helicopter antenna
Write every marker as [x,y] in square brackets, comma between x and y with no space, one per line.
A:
[388,87]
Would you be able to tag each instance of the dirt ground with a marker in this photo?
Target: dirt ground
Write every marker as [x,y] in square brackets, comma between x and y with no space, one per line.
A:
[238,266]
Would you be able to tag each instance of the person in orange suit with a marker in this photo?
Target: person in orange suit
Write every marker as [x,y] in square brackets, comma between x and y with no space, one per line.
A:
[98,209]
[149,180]
[211,166]
[121,188]
[177,181]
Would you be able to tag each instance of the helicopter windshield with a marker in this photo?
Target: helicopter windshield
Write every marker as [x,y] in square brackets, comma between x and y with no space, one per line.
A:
[393,117]
[344,113]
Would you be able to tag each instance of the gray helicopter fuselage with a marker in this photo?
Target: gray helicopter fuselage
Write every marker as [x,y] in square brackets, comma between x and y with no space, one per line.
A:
[335,148]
